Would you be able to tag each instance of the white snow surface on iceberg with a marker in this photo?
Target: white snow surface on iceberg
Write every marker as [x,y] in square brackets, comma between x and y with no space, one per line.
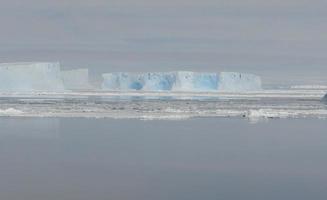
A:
[77,79]
[181,81]
[237,82]
[30,77]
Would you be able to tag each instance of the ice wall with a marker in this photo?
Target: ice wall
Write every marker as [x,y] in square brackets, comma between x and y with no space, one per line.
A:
[238,82]
[122,81]
[195,81]
[77,79]
[158,81]
[181,81]
[28,77]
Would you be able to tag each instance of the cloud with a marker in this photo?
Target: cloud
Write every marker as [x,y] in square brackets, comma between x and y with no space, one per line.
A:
[242,33]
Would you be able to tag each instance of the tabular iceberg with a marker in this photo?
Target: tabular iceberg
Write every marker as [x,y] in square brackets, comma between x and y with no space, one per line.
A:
[237,82]
[29,77]
[122,81]
[195,81]
[158,81]
[181,81]
[77,79]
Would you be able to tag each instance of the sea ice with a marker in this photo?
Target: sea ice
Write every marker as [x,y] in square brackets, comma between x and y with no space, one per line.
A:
[29,77]
[77,79]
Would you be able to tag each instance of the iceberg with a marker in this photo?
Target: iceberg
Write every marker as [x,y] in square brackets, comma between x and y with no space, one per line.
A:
[122,81]
[77,79]
[181,81]
[158,81]
[29,77]
[145,81]
[196,81]
[238,82]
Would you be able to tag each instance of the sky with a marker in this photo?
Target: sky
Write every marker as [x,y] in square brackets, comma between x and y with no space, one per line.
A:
[281,40]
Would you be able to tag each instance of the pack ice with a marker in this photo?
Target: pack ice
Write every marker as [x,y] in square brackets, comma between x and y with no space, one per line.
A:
[29,77]
[77,79]
[181,81]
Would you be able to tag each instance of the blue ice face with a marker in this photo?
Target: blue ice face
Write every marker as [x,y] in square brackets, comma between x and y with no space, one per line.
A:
[158,81]
[164,85]
[182,81]
[196,81]
[136,86]
[206,82]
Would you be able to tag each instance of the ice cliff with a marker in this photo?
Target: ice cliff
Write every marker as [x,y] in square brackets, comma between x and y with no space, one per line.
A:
[77,79]
[43,76]
[195,81]
[29,77]
[181,81]
[233,81]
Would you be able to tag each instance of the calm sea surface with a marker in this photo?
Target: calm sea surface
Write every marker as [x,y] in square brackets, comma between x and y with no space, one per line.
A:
[213,158]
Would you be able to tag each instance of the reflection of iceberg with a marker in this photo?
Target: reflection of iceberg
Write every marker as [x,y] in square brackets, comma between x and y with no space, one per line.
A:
[181,81]
[28,77]
[77,79]
[236,82]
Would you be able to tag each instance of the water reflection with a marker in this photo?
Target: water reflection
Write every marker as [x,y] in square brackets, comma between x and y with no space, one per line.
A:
[30,127]
[131,159]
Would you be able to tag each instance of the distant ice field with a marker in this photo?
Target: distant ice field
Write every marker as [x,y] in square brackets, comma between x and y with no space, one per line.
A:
[264,104]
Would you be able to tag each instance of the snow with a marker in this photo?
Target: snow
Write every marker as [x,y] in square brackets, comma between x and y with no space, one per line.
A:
[181,81]
[28,77]
[236,82]
[77,79]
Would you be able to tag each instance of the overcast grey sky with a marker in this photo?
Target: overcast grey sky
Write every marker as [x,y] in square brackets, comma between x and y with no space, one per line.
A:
[262,36]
